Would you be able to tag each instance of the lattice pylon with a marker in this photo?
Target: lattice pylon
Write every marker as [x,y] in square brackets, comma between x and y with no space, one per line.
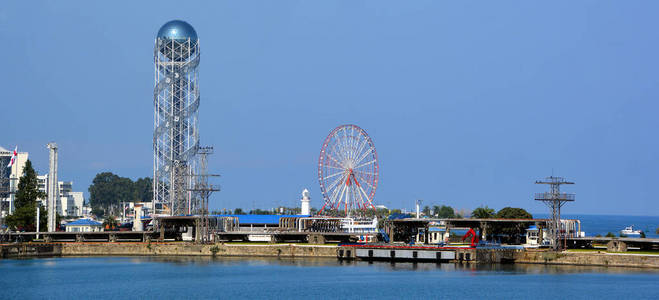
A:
[176,134]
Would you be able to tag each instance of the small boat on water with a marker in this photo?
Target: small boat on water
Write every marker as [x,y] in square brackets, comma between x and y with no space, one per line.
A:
[629,230]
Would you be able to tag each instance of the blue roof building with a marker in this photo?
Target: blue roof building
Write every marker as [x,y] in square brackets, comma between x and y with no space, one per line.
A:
[84,225]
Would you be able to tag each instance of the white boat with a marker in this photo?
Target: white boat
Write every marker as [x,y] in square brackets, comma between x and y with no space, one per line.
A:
[630,231]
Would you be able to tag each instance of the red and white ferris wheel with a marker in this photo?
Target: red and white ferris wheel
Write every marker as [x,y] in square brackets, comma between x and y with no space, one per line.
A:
[348,170]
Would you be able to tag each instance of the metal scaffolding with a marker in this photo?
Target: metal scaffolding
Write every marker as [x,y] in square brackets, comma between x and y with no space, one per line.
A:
[554,199]
[176,133]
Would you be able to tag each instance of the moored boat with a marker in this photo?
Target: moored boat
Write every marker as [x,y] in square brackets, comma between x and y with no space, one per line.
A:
[629,230]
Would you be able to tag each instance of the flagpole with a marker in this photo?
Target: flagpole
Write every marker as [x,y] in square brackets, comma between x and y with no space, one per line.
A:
[38,213]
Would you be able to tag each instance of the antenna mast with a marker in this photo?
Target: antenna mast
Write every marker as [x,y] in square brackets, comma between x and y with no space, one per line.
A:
[554,199]
[203,189]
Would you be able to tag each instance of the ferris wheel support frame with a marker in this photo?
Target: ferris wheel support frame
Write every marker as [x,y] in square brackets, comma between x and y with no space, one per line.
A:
[354,174]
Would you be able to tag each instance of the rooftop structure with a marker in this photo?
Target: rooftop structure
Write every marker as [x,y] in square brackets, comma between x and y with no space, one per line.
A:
[177,30]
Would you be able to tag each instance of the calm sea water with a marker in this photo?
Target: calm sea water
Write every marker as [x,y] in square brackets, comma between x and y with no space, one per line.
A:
[602,224]
[194,278]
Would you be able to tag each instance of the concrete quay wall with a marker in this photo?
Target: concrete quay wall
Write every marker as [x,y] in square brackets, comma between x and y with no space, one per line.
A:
[190,249]
[304,250]
[588,259]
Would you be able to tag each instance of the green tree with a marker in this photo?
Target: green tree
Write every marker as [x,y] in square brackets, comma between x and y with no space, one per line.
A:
[380,213]
[610,235]
[446,212]
[108,190]
[25,205]
[143,189]
[24,218]
[426,211]
[125,190]
[103,192]
[511,232]
[259,211]
[238,211]
[513,213]
[483,213]
[642,234]
[28,191]
[435,210]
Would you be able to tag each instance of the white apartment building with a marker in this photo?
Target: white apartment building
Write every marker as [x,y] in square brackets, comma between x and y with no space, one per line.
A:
[70,203]
[9,178]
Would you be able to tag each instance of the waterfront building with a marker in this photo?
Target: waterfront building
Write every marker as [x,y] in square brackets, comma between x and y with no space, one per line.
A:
[84,225]
[533,236]
[133,210]
[70,203]
[414,229]
[9,178]
[437,233]
[568,228]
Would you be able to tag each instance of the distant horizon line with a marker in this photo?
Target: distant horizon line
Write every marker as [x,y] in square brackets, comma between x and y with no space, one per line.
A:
[591,214]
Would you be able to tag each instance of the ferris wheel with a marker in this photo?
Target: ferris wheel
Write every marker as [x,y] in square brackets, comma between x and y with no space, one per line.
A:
[348,170]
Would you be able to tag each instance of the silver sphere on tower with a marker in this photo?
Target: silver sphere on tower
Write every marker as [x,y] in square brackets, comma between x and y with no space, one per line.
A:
[175,128]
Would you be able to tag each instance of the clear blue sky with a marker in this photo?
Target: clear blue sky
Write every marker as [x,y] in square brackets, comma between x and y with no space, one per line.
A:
[468,103]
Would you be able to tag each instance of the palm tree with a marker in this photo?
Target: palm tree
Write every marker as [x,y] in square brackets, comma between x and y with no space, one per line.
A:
[110,223]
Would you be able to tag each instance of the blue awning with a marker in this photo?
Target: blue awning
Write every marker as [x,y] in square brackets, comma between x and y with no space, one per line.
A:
[261,219]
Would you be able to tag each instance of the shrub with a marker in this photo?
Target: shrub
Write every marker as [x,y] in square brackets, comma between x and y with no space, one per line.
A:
[215,249]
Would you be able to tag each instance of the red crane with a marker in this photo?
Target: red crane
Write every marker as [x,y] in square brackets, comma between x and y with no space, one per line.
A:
[474,237]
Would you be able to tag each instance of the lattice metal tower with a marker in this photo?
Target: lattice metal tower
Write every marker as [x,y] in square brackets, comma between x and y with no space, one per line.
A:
[555,200]
[5,189]
[203,189]
[176,134]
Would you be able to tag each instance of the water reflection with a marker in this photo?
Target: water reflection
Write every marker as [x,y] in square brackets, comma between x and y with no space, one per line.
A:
[183,277]
[474,269]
